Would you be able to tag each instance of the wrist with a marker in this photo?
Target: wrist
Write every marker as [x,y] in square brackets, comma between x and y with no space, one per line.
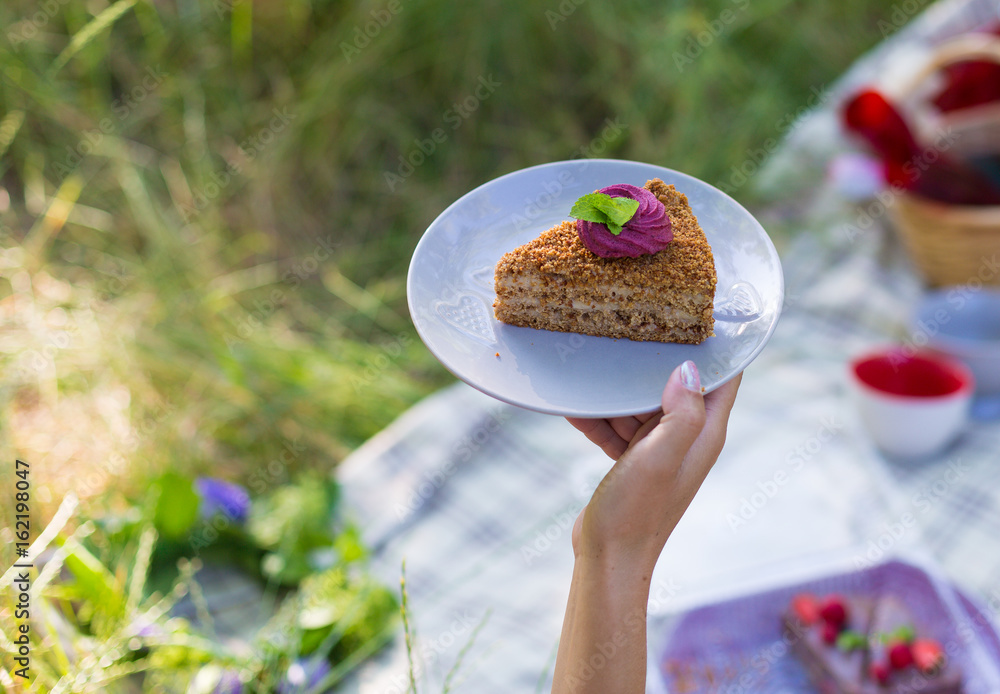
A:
[604,553]
[616,570]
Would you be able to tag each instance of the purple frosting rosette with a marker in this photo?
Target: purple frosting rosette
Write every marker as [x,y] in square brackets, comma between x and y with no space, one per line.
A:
[647,232]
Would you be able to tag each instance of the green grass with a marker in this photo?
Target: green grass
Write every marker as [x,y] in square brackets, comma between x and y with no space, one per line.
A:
[202,258]
[213,176]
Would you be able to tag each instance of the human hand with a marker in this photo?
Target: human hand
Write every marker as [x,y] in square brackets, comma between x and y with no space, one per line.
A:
[662,459]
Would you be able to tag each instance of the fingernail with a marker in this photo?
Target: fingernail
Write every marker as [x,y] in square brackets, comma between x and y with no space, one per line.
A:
[689,376]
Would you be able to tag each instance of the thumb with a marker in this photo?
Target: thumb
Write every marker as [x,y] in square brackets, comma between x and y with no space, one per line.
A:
[670,451]
[682,417]
[686,378]
[683,408]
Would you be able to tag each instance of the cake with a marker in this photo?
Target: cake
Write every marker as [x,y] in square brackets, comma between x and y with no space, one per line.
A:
[652,281]
[856,645]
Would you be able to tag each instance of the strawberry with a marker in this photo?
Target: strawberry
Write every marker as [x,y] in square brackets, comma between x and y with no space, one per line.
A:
[805,606]
[833,610]
[900,655]
[879,671]
[927,655]
[830,633]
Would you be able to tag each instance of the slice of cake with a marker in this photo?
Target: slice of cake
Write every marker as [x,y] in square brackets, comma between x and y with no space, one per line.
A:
[902,662]
[862,646]
[653,280]
[812,630]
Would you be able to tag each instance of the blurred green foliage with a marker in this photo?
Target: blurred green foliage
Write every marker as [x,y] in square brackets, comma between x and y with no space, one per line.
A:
[217,175]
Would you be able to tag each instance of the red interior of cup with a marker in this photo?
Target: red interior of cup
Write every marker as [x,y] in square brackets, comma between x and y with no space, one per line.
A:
[916,375]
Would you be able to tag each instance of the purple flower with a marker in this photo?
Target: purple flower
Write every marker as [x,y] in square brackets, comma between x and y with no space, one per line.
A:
[220,496]
[145,628]
[229,683]
[303,675]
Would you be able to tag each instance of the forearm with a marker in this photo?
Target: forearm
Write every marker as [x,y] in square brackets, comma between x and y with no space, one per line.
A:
[603,643]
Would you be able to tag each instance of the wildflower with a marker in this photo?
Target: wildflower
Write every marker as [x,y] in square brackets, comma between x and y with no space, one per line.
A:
[220,496]
[303,675]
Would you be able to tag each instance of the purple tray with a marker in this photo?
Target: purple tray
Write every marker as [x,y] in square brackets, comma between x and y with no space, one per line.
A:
[735,647]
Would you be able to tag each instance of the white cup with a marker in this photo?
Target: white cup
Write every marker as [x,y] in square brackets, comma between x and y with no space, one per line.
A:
[913,405]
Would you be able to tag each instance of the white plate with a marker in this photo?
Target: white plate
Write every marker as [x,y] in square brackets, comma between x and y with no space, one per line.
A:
[450,293]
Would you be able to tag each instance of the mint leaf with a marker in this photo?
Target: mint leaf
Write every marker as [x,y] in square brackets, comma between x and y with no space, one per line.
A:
[621,209]
[849,640]
[586,208]
[601,208]
[902,634]
[905,633]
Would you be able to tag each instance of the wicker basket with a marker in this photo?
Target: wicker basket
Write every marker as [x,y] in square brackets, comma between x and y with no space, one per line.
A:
[951,244]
